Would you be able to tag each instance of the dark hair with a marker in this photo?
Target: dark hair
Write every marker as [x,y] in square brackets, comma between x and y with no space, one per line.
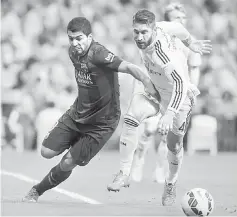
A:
[144,16]
[79,24]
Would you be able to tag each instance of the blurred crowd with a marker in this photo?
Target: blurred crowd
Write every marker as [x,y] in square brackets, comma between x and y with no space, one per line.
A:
[37,75]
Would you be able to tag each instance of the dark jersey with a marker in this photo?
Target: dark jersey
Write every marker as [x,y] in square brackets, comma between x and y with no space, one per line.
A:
[98,86]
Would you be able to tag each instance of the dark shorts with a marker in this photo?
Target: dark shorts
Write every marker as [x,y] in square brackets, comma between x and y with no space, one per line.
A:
[84,141]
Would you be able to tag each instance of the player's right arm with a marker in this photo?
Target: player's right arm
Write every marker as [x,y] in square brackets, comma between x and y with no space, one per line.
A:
[139,74]
[106,59]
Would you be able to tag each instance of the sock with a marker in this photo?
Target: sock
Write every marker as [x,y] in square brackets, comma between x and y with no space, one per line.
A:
[128,143]
[161,155]
[175,162]
[52,179]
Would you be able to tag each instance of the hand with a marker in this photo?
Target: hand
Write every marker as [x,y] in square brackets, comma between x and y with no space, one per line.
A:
[200,46]
[166,123]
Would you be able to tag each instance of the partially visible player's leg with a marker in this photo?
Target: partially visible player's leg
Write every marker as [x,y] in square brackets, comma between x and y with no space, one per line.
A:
[175,151]
[175,158]
[56,175]
[144,142]
[58,140]
[140,108]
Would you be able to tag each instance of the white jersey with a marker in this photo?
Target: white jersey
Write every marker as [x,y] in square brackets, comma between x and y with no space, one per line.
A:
[192,59]
[167,66]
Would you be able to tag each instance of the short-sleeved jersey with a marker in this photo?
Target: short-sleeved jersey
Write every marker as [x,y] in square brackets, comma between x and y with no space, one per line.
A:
[98,86]
[193,59]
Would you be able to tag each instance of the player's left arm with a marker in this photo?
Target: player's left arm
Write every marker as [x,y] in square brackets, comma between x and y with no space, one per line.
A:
[176,77]
[178,30]
[166,60]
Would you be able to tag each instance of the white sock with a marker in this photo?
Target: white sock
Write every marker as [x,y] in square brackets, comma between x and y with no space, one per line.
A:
[128,143]
[175,162]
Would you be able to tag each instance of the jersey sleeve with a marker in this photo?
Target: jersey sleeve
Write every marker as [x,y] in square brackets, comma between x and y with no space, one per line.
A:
[174,74]
[103,58]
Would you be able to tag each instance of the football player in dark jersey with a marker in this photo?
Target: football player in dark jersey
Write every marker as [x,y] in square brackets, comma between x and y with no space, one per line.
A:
[89,123]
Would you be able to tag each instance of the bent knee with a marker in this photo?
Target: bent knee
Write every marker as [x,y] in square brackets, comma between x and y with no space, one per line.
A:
[150,126]
[175,147]
[69,162]
[48,153]
[174,142]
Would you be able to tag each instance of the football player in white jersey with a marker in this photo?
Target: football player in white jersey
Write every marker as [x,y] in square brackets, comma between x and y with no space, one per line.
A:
[167,67]
[173,12]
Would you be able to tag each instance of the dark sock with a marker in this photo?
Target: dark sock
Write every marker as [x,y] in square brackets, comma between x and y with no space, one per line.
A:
[52,179]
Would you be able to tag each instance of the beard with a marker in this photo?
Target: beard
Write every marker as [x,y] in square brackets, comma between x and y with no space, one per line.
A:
[144,44]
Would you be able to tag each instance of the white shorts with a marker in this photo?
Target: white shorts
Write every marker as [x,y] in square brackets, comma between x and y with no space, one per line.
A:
[182,118]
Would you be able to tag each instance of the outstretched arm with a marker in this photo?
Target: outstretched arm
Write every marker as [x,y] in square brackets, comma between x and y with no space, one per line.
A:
[178,30]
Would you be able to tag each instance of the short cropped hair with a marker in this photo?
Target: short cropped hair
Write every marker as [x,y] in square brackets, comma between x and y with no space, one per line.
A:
[144,17]
[80,24]
[171,7]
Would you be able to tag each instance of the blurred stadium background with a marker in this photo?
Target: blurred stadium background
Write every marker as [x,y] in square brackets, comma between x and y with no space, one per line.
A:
[38,77]
[37,85]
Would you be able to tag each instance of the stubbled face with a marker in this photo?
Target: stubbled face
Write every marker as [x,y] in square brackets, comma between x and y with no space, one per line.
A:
[79,41]
[143,34]
[178,16]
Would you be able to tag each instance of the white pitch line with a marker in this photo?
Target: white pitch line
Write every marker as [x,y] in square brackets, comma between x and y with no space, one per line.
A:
[57,189]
